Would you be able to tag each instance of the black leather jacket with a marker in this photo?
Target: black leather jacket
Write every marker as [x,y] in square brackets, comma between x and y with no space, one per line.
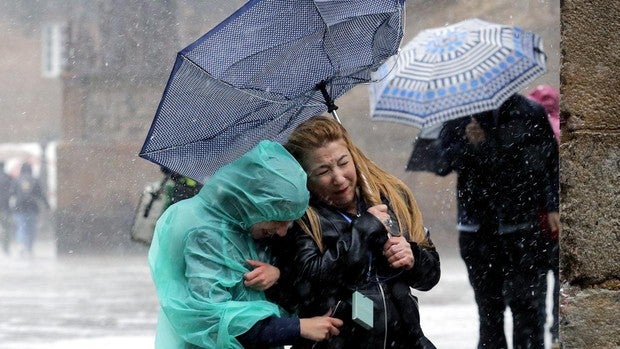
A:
[352,260]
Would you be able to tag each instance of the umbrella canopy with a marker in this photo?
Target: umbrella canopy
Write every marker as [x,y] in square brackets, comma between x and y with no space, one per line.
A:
[265,69]
[453,71]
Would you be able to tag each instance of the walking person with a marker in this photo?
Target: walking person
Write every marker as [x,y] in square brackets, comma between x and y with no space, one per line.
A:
[506,162]
[549,97]
[27,197]
[360,247]
[477,223]
[6,222]
[210,276]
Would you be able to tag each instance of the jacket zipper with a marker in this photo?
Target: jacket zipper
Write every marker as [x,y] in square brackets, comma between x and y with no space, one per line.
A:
[385,314]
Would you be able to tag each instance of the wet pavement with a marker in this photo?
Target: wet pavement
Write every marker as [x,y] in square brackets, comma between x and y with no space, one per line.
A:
[46,299]
[68,302]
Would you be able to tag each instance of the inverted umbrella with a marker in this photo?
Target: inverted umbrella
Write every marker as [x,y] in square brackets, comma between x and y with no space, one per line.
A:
[453,71]
[265,69]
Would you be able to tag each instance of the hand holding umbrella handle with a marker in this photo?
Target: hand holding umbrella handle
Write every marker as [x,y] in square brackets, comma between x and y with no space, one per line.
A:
[474,133]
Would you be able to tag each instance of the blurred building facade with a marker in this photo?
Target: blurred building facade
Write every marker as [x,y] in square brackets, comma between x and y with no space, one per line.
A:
[88,76]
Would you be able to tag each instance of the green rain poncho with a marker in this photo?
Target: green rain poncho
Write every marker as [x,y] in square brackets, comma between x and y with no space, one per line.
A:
[198,253]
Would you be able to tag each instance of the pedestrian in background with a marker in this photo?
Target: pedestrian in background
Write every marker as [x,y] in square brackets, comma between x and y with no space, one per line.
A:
[549,97]
[26,195]
[178,187]
[507,168]
[6,223]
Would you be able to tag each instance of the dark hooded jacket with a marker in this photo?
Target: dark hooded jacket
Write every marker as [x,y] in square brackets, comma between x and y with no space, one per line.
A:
[27,193]
[511,176]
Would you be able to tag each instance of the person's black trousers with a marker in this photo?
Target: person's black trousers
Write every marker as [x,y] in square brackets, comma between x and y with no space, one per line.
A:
[503,270]
[483,258]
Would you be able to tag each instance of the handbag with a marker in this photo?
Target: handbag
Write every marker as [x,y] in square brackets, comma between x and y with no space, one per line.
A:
[151,205]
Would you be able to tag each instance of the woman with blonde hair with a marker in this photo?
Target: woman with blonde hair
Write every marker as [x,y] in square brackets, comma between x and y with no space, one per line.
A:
[360,247]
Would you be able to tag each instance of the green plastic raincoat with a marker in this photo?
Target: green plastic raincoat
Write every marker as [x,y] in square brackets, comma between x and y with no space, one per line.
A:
[200,245]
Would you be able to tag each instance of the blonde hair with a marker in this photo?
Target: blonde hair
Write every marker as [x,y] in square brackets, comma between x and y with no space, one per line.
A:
[374,182]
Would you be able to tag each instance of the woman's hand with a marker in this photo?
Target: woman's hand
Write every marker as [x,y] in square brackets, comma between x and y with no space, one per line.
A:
[381,213]
[319,328]
[398,252]
[262,277]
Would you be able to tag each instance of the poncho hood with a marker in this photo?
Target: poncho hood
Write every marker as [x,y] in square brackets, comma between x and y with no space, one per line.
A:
[200,247]
[267,184]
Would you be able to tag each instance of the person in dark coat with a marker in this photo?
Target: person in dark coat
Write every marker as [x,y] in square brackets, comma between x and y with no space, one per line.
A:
[507,166]
[549,97]
[27,197]
[362,233]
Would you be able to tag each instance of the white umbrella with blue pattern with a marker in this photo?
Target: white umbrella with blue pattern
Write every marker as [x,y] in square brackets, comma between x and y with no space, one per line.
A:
[454,71]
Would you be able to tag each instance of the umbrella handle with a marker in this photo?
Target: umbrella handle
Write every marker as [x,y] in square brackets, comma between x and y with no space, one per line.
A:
[331,106]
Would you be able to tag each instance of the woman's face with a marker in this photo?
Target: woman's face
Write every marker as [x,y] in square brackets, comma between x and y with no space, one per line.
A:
[332,177]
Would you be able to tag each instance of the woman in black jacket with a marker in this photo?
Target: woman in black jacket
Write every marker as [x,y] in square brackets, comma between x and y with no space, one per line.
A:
[363,235]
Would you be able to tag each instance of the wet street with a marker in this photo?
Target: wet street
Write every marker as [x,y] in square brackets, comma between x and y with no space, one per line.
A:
[45,299]
[109,302]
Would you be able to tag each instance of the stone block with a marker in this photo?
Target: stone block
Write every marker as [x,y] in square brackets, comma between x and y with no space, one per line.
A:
[590,63]
[589,318]
[590,209]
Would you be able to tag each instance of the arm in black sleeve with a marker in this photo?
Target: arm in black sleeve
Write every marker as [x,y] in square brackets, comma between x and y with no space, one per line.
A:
[41,195]
[552,170]
[456,153]
[553,187]
[449,145]
[282,251]
[545,154]
[271,332]
[426,270]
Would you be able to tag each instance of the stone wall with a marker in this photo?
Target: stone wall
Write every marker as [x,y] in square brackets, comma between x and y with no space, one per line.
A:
[590,174]
[30,107]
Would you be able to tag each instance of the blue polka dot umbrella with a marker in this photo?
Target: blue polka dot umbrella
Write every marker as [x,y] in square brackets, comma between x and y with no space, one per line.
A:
[454,71]
[261,72]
